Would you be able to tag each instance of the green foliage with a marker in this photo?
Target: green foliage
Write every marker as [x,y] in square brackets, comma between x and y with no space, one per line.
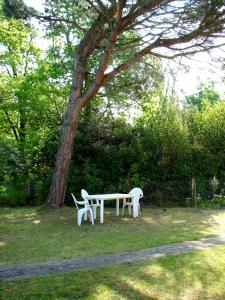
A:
[16,9]
[208,142]
[217,202]
[165,140]
[162,144]
[157,148]
[205,95]
[31,107]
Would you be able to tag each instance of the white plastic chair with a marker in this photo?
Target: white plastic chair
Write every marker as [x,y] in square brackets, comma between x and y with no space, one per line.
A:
[137,193]
[84,194]
[82,211]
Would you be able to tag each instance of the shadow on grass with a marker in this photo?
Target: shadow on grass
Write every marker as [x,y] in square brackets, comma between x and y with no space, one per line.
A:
[196,275]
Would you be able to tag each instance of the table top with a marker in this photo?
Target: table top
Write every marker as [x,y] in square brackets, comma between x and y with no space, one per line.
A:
[108,196]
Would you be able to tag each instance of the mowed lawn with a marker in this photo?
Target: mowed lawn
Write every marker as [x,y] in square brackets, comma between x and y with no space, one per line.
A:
[36,235]
[196,275]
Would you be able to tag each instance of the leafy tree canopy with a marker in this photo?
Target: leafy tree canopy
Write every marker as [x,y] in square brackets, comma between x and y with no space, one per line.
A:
[206,94]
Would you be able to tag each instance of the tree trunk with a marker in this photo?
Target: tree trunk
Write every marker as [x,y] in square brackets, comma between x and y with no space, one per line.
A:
[57,190]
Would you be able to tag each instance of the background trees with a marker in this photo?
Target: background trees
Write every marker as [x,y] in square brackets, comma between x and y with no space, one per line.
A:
[103,30]
[31,104]
[165,143]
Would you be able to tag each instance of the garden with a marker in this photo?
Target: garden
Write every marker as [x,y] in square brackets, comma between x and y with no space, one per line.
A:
[101,96]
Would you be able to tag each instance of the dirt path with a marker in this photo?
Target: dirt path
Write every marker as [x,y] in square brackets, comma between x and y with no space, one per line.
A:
[10,272]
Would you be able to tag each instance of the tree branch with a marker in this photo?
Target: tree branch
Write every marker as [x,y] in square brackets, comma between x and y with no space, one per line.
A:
[93,89]
[54,19]
[12,126]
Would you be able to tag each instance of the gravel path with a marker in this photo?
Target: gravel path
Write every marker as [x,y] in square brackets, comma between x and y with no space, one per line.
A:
[10,272]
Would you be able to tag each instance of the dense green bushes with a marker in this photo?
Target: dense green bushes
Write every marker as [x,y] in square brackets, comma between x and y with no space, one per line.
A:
[161,152]
[164,146]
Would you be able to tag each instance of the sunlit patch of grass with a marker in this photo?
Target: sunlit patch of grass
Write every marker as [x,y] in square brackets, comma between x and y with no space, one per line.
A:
[196,275]
[2,244]
[36,221]
[220,221]
[34,234]
[179,221]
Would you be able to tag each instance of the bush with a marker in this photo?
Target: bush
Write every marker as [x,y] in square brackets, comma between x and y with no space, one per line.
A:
[217,202]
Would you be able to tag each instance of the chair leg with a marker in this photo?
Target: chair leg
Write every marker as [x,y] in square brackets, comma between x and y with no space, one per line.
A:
[91,216]
[129,209]
[79,218]
[139,209]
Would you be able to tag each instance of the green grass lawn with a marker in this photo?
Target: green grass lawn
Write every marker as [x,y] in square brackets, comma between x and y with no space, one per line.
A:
[35,235]
[192,276]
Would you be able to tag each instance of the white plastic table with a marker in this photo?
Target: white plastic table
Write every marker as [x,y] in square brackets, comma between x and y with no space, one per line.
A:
[116,197]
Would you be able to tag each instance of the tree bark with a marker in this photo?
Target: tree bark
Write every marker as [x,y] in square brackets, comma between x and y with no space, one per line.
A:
[57,190]
[77,100]
[58,186]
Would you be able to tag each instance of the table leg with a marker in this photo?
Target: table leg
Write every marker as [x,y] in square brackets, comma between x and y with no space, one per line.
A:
[117,207]
[101,211]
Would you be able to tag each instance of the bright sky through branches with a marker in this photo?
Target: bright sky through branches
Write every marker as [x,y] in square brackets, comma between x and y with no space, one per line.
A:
[36,4]
[202,68]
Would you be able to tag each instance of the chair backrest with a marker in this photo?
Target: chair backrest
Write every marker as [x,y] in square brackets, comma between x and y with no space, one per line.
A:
[85,202]
[75,200]
[136,192]
[84,194]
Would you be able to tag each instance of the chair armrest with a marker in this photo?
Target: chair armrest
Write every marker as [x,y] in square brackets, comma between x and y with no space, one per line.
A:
[81,202]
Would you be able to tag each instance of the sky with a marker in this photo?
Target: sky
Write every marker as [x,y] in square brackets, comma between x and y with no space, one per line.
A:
[200,69]
[37,4]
